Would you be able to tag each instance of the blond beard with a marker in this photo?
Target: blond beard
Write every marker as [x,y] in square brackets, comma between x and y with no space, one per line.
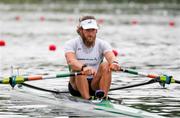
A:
[89,41]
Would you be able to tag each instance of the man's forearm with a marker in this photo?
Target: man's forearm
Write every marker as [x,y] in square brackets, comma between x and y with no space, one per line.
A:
[75,65]
[110,57]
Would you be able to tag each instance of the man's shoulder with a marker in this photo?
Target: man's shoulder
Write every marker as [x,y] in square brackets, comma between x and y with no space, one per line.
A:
[71,44]
[101,41]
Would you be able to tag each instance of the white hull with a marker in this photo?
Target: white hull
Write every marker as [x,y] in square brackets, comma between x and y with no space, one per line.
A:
[101,109]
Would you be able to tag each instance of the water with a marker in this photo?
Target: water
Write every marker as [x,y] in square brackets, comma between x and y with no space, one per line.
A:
[150,46]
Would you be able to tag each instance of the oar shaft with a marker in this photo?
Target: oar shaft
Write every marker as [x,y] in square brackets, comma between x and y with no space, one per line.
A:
[162,78]
[138,73]
[21,79]
[39,77]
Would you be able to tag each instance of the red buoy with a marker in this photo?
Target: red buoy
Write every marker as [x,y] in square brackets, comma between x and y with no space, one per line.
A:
[171,23]
[134,22]
[115,52]
[2,43]
[100,21]
[70,19]
[52,47]
[17,18]
[42,18]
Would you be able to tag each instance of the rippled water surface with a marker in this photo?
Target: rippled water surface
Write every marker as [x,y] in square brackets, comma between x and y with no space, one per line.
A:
[146,37]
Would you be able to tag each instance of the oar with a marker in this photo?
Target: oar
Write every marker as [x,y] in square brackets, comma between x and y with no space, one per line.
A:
[138,73]
[163,78]
[13,80]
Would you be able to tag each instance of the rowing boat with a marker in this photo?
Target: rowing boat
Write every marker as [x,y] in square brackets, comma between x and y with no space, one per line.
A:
[91,107]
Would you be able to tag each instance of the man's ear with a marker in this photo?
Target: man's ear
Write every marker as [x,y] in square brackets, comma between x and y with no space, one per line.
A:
[78,29]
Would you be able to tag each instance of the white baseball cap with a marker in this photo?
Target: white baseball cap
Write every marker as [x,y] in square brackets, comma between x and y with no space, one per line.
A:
[89,24]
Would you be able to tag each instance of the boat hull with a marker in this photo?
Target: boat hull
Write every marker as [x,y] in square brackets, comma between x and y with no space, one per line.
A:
[93,108]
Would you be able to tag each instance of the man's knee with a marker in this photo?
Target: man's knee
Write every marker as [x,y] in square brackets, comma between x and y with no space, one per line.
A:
[80,77]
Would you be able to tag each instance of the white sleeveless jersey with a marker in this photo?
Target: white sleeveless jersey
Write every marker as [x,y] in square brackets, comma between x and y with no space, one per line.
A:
[90,56]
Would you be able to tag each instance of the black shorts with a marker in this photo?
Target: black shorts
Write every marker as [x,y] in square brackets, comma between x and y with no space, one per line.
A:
[76,93]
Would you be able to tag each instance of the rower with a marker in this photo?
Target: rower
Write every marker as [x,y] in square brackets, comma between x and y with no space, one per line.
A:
[86,53]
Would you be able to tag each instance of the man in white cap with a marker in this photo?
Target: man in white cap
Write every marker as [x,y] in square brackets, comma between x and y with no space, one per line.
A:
[85,53]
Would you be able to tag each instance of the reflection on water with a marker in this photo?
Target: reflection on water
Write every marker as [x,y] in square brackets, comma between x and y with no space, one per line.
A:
[145,35]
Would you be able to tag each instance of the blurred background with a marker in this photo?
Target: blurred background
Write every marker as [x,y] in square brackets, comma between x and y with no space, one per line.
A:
[144,34]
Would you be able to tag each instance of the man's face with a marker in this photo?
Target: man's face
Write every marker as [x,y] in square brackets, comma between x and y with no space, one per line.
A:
[89,36]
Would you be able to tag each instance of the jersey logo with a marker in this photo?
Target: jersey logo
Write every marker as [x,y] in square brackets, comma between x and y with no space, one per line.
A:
[90,22]
[79,49]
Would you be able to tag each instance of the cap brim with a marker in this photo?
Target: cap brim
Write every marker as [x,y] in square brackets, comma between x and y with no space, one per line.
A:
[89,27]
[89,24]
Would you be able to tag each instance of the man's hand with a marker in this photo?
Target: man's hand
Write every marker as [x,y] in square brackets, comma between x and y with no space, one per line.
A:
[115,66]
[89,71]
